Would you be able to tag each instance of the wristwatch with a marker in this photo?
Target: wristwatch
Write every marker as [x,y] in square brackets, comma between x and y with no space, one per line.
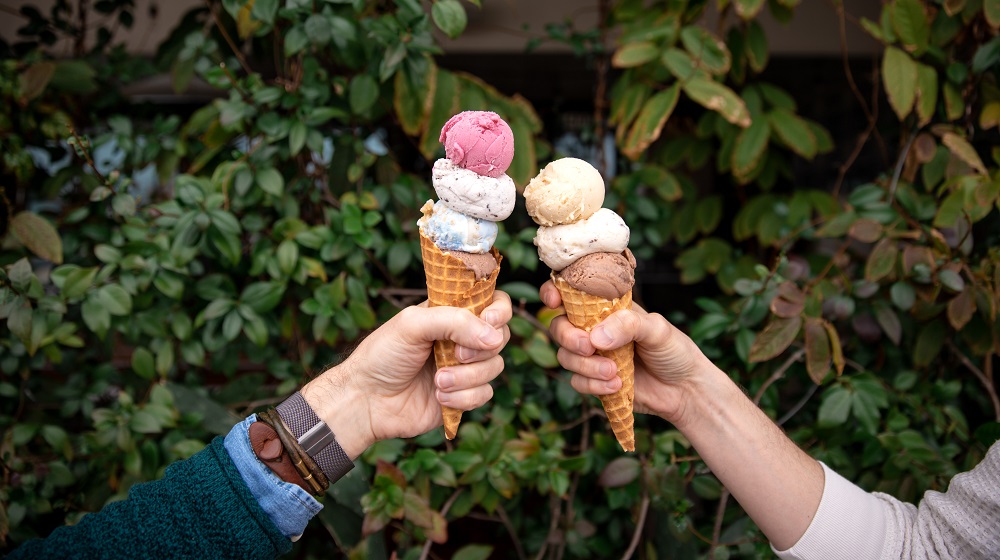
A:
[315,437]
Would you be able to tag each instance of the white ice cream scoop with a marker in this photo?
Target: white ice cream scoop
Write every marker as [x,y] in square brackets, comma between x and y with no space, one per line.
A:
[603,232]
[472,194]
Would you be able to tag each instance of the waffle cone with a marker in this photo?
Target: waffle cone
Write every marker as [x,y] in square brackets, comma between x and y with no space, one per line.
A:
[450,283]
[585,311]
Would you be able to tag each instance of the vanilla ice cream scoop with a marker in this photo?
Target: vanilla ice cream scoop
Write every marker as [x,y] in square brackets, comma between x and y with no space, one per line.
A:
[603,232]
[479,196]
[454,231]
[567,190]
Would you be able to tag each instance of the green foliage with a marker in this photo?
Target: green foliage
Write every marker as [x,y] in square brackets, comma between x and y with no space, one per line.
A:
[223,255]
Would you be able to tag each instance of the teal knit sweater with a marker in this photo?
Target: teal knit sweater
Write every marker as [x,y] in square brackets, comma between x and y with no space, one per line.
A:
[201,508]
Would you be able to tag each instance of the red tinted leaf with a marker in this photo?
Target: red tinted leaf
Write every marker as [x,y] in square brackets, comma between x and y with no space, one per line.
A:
[791,292]
[961,308]
[619,472]
[836,350]
[374,522]
[818,356]
[866,230]
[385,468]
[785,309]
[917,254]
[775,338]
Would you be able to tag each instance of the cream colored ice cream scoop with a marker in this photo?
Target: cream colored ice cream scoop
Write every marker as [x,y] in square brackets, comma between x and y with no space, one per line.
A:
[565,191]
[603,232]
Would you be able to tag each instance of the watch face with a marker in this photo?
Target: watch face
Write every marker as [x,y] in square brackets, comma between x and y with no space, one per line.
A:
[316,438]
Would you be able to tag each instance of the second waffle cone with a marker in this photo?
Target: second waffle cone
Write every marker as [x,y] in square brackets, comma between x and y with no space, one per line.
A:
[451,283]
[585,311]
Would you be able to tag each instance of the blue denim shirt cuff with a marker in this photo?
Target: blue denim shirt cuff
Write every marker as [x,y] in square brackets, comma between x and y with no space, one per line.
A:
[288,505]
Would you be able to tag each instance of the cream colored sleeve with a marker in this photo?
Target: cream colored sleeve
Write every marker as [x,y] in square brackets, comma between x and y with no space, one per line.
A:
[850,524]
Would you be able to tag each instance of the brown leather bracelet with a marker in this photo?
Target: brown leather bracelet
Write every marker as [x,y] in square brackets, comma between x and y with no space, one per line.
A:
[307,468]
[268,448]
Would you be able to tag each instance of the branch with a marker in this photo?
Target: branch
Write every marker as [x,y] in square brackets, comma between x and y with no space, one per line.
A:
[986,381]
[717,528]
[212,7]
[518,547]
[637,535]
[556,510]
[444,510]
[778,374]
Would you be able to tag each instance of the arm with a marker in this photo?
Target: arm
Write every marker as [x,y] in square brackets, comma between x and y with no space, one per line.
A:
[224,503]
[777,483]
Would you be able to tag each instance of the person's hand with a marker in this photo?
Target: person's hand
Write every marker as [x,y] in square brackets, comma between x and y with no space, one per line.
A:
[388,387]
[667,362]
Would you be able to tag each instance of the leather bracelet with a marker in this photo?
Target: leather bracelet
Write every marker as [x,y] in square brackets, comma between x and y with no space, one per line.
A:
[268,448]
[310,472]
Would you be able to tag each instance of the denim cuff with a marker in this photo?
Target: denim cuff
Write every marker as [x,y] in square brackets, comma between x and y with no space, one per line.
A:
[288,505]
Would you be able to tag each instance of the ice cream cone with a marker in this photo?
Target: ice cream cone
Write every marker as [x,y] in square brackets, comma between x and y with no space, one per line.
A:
[451,283]
[585,311]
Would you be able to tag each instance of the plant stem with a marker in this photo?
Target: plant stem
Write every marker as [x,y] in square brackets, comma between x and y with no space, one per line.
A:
[444,511]
[213,9]
[505,519]
[637,535]
[778,374]
[987,381]
[720,512]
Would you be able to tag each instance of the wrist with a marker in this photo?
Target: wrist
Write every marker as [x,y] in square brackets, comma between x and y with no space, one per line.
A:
[337,401]
[706,392]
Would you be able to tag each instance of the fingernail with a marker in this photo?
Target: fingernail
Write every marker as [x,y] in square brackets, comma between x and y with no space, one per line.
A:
[600,337]
[443,398]
[490,336]
[607,370]
[445,379]
[612,385]
[492,317]
[583,346]
[462,353]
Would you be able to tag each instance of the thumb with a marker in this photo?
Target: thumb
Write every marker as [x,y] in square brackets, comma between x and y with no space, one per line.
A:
[423,325]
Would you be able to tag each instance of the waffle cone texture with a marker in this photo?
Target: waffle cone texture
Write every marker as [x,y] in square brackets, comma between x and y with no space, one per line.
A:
[585,311]
[450,283]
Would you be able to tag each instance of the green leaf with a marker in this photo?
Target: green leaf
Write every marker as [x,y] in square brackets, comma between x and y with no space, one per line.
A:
[270,181]
[882,260]
[899,76]
[929,342]
[794,132]
[706,50]
[835,408]
[20,322]
[748,9]
[363,93]
[38,236]
[634,54]
[115,299]
[910,23]
[620,472]
[232,325]
[288,256]
[473,552]
[295,39]
[263,296]
[297,137]
[78,282]
[649,124]
[719,98]
[749,148]
[142,363]
[33,81]
[927,93]
[318,29]
[951,280]
[964,151]
[888,320]
[123,204]
[96,317]
[265,10]
[776,337]
[450,17]
[145,422]
[74,76]
[756,47]
[903,295]
[986,56]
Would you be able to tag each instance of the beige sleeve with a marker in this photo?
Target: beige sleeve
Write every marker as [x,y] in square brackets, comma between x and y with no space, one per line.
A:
[852,524]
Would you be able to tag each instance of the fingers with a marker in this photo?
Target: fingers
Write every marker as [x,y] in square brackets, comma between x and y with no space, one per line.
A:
[497,314]
[627,325]
[419,325]
[467,386]
[550,295]
[590,386]
[569,337]
[468,355]
[594,367]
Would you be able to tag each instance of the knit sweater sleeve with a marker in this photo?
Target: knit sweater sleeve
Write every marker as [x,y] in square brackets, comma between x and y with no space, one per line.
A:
[201,508]
[853,524]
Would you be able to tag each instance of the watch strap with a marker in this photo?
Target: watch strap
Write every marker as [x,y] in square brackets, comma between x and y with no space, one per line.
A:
[315,437]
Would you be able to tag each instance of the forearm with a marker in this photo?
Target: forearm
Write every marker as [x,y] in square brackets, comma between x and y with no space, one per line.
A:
[775,482]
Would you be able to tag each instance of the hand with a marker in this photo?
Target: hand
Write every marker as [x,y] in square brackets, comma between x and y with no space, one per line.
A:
[388,387]
[666,365]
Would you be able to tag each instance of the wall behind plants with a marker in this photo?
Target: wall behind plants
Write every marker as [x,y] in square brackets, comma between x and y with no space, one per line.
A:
[167,270]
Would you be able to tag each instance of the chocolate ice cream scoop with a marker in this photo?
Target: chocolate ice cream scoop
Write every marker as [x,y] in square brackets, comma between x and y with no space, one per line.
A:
[482,264]
[607,275]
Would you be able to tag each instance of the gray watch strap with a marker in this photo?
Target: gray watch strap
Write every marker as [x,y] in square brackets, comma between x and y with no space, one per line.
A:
[315,437]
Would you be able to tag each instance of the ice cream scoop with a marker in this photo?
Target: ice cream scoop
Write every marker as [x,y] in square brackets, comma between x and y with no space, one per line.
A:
[565,191]
[608,275]
[479,141]
[455,231]
[603,232]
[479,196]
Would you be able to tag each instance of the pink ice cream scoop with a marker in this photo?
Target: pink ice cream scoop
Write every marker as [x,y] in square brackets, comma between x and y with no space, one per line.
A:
[479,141]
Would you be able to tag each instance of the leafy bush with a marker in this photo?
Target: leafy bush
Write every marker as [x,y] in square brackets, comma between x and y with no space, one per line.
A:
[167,271]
